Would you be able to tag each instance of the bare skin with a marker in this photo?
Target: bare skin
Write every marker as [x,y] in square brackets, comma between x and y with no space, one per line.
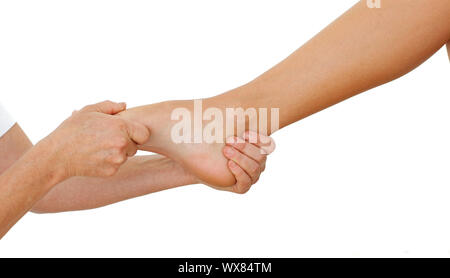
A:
[99,152]
[362,49]
[138,176]
[142,175]
[205,160]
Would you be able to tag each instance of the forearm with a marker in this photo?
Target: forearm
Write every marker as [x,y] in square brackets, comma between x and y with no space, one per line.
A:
[23,184]
[362,49]
[138,176]
[13,145]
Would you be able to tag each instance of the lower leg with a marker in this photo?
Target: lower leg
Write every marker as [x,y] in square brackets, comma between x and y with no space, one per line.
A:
[362,49]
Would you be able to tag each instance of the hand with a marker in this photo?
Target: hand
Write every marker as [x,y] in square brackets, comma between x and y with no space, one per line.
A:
[94,142]
[247,159]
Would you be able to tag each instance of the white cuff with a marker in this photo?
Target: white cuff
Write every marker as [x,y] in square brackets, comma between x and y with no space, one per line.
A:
[6,121]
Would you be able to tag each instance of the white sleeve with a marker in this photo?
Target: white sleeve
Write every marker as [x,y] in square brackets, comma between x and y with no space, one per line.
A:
[6,121]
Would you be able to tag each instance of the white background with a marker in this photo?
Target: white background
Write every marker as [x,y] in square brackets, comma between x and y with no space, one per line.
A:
[368,177]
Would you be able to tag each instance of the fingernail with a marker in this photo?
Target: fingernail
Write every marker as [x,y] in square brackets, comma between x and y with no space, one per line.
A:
[252,137]
[231,164]
[229,151]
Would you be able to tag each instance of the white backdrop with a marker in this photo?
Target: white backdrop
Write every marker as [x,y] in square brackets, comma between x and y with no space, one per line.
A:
[368,177]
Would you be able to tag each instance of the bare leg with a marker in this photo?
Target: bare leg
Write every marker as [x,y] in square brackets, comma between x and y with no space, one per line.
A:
[362,49]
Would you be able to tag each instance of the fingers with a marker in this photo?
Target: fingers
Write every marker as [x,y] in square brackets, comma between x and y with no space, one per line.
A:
[106,107]
[243,180]
[138,133]
[247,149]
[135,132]
[265,143]
[250,166]
[247,158]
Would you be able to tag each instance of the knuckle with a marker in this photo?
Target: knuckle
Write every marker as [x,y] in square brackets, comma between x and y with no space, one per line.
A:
[254,171]
[115,160]
[119,160]
[110,171]
[264,159]
[263,151]
[261,159]
[120,142]
[256,180]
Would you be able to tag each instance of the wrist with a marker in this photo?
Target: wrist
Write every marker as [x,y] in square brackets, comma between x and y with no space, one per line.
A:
[49,160]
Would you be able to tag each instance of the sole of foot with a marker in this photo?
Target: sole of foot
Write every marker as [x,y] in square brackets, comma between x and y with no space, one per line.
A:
[204,160]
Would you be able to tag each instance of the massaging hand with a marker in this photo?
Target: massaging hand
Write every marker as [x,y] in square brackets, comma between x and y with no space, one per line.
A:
[93,142]
[247,159]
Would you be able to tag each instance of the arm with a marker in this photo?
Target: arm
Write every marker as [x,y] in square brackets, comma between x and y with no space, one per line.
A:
[13,145]
[137,177]
[26,182]
[149,174]
[99,152]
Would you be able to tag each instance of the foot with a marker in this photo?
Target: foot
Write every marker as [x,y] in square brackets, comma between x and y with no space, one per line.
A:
[205,160]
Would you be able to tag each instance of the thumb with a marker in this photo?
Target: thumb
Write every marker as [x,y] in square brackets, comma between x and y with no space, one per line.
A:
[106,107]
[138,133]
